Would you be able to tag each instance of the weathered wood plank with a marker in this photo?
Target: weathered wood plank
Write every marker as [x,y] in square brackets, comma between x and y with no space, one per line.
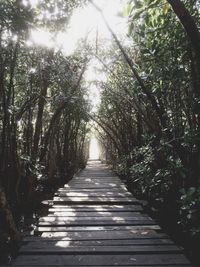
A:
[102,186]
[54,218]
[96,184]
[36,241]
[96,214]
[95,221]
[164,265]
[96,228]
[92,194]
[95,199]
[100,190]
[98,260]
[98,208]
[103,234]
[95,178]
[63,247]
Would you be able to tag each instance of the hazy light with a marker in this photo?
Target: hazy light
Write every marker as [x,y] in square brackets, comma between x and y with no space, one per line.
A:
[33,3]
[42,37]
[94,148]
[62,244]
[85,24]
[32,70]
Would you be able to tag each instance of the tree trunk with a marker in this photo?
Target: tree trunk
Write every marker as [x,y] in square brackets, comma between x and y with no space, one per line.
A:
[191,29]
[193,33]
[188,23]
[38,124]
[8,217]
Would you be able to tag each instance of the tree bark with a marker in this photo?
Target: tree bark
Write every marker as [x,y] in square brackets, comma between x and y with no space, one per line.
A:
[191,29]
[188,23]
[38,125]
[8,217]
[58,113]
[130,63]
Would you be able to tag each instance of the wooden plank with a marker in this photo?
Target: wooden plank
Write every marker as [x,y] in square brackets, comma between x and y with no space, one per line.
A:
[98,260]
[96,181]
[96,214]
[72,189]
[99,175]
[98,208]
[103,234]
[94,218]
[102,242]
[94,202]
[95,174]
[88,202]
[91,211]
[99,183]
[95,221]
[93,186]
[100,186]
[96,228]
[64,247]
[183,265]
[95,178]
[95,199]
[97,187]
[92,194]
[118,197]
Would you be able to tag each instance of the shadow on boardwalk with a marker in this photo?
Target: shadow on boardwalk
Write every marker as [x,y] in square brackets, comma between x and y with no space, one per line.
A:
[95,221]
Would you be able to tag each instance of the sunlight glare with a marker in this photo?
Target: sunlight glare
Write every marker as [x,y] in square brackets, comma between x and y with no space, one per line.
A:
[42,37]
[93,76]
[62,244]
[33,3]
[94,148]
[86,22]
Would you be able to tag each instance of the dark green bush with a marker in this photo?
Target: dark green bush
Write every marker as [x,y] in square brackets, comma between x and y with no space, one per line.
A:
[160,182]
[189,213]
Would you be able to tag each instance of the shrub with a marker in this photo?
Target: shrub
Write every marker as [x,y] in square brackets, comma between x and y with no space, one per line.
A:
[189,214]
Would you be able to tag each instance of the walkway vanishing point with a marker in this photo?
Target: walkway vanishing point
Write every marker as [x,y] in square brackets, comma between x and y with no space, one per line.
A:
[95,221]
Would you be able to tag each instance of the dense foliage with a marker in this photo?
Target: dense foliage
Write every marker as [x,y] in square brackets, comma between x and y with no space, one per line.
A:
[43,110]
[148,122]
[150,107]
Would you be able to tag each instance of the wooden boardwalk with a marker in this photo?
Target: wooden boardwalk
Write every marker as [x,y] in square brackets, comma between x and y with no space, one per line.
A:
[95,221]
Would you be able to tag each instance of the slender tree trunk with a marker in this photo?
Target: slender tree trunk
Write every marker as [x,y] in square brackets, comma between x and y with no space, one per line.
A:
[188,23]
[7,217]
[38,124]
[193,33]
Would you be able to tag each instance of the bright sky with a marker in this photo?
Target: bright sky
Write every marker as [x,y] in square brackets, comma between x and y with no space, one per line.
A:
[94,152]
[85,22]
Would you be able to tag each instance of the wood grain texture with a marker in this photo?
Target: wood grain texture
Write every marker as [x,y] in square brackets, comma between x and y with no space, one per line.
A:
[95,221]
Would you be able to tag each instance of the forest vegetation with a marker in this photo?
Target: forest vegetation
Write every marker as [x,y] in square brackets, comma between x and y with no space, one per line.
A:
[149,113]
[147,123]
[43,121]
